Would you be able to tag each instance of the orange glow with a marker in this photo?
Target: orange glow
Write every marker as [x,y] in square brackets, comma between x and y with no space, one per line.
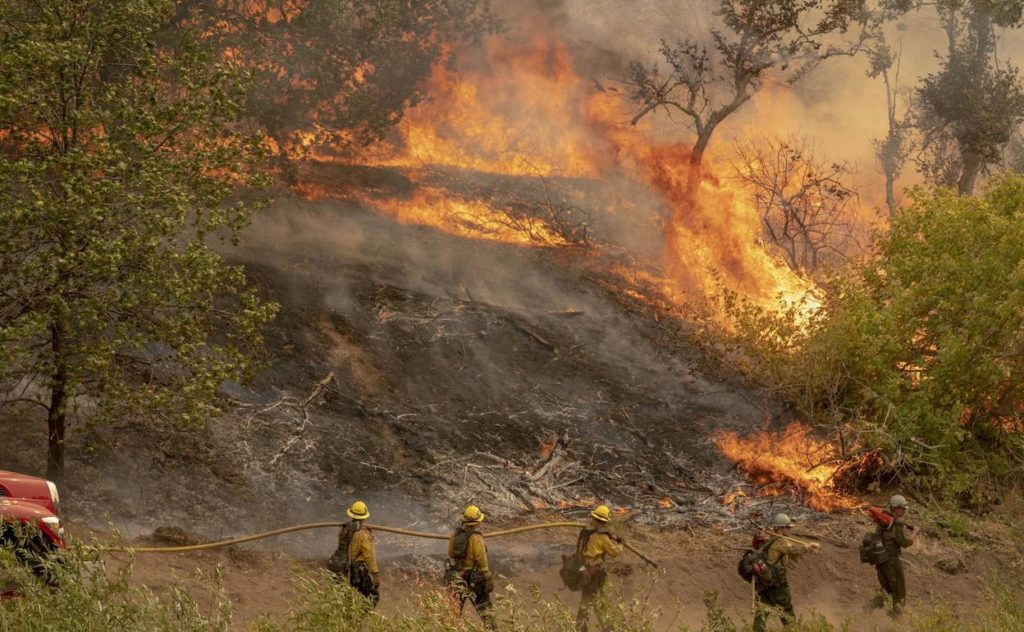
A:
[471,219]
[666,503]
[791,462]
[523,111]
[547,448]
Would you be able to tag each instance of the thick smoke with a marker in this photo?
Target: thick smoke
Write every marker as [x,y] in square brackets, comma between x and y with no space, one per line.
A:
[838,108]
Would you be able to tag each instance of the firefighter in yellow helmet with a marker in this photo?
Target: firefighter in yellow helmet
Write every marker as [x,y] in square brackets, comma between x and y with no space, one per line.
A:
[468,575]
[596,542]
[356,557]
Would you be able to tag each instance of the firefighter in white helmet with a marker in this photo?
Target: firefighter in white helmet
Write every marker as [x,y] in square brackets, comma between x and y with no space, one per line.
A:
[897,536]
[772,585]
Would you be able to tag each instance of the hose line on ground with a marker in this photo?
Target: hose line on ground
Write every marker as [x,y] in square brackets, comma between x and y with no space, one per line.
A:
[327,525]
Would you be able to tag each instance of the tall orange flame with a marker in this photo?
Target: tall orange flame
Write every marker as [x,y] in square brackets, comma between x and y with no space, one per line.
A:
[524,111]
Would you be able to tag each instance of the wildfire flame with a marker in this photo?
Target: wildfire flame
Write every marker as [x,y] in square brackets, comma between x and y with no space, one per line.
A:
[523,111]
[791,462]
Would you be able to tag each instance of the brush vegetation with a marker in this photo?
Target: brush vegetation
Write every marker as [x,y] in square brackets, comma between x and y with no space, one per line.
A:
[918,352]
[92,597]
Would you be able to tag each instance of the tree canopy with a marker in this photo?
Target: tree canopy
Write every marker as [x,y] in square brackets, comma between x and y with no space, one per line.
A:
[120,153]
[343,71]
[707,82]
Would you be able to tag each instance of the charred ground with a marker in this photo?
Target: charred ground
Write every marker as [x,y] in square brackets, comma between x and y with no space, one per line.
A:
[420,370]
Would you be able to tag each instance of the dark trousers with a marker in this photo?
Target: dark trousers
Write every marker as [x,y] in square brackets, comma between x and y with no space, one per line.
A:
[893,581]
[476,594]
[359,577]
[776,599]
[372,594]
[589,596]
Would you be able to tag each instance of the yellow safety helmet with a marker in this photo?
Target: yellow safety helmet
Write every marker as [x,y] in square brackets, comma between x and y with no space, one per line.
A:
[358,511]
[601,514]
[472,515]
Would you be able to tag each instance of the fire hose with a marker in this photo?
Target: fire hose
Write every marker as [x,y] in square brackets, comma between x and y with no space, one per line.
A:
[327,525]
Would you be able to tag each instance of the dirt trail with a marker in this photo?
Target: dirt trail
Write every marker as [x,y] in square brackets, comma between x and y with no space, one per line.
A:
[833,582]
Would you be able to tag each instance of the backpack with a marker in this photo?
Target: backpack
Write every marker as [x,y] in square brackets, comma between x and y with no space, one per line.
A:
[873,549]
[574,572]
[453,572]
[338,562]
[754,565]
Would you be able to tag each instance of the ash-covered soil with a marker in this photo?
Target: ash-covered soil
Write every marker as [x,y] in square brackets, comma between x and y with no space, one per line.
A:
[420,371]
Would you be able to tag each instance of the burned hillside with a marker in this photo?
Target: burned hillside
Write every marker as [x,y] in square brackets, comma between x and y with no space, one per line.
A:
[424,370]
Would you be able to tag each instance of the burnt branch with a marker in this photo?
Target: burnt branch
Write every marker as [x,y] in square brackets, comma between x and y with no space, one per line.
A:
[804,203]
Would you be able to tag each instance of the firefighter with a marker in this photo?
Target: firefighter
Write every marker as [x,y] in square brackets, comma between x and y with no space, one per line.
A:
[597,542]
[468,575]
[773,586]
[363,572]
[896,537]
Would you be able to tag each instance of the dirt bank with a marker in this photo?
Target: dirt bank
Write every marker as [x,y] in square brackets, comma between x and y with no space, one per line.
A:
[833,582]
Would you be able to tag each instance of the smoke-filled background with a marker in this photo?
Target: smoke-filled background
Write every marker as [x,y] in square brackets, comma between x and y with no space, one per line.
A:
[487,292]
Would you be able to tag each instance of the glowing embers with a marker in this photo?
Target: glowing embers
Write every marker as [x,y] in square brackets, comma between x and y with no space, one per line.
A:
[792,463]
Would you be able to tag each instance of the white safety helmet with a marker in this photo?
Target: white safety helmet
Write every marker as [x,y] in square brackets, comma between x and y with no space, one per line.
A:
[781,520]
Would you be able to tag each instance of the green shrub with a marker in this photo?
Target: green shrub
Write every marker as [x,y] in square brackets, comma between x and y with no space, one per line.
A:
[919,352]
[92,598]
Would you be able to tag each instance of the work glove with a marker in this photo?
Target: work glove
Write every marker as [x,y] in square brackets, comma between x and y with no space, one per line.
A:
[617,539]
[814,546]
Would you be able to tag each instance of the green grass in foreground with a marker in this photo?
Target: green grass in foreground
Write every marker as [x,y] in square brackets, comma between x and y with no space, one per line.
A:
[90,598]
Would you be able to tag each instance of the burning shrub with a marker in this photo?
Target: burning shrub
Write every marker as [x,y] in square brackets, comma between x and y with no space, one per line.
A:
[794,462]
[919,353]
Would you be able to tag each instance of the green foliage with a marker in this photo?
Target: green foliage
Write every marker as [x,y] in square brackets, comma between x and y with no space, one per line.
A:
[921,351]
[120,156]
[341,71]
[323,604]
[969,109]
[91,597]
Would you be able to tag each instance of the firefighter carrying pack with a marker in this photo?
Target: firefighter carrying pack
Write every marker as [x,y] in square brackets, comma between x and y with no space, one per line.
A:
[873,549]
[754,565]
[454,573]
[574,571]
[338,562]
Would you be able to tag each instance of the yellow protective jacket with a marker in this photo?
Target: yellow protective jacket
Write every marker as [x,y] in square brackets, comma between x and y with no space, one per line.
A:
[360,549]
[599,546]
[476,553]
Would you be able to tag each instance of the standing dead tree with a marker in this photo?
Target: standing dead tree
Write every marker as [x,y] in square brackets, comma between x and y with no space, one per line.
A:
[781,40]
[892,150]
[802,199]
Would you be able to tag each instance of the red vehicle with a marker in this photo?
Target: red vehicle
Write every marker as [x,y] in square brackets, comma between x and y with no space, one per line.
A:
[29,500]
[31,488]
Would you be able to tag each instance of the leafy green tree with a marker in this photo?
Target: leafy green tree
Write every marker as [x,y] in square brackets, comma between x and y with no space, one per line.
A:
[339,72]
[969,109]
[119,159]
[921,351]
